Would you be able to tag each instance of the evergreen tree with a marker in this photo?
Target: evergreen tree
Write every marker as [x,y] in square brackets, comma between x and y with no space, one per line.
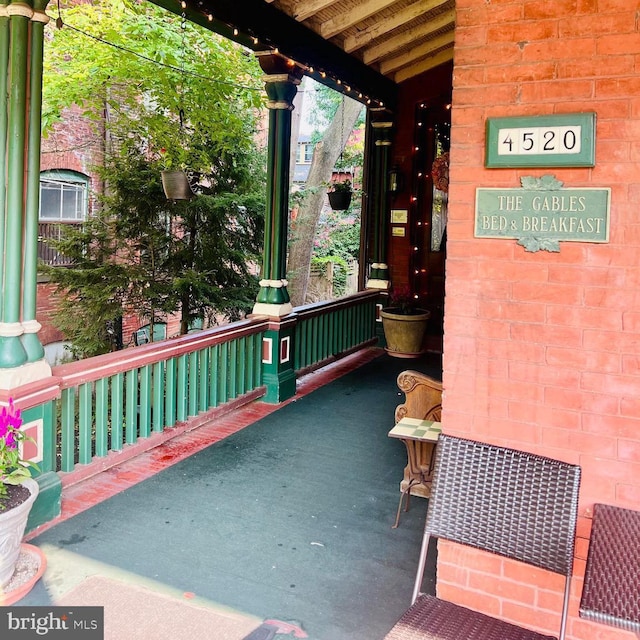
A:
[139,252]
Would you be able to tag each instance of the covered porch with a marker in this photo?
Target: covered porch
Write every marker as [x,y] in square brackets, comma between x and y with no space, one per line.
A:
[265,513]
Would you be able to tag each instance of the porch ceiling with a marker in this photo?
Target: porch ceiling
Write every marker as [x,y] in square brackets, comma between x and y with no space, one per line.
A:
[398,38]
[364,48]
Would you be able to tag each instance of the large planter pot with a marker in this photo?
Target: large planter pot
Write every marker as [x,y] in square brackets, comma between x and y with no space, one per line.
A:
[13,522]
[339,200]
[404,333]
[176,185]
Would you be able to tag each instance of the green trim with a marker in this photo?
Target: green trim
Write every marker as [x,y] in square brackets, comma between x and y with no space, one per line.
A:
[4,90]
[279,377]
[30,341]
[48,505]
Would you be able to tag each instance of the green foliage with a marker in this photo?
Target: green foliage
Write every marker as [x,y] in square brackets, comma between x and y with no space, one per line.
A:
[340,268]
[341,186]
[144,254]
[142,100]
[139,253]
[326,103]
[339,235]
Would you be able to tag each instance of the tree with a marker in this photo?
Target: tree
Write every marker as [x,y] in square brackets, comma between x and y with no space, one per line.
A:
[325,156]
[140,252]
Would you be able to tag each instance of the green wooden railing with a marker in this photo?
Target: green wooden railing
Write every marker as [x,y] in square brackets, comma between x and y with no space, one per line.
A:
[329,330]
[114,400]
[117,399]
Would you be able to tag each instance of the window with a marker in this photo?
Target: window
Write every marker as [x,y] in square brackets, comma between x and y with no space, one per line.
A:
[305,152]
[63,196]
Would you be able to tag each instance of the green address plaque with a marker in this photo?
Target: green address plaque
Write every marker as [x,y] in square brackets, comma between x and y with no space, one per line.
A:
[563,140]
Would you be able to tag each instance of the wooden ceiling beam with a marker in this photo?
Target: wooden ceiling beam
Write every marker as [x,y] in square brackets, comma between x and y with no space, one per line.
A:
[389,66]
[424,65]
[309,8]
[405,39]
[399,19]
[350,17]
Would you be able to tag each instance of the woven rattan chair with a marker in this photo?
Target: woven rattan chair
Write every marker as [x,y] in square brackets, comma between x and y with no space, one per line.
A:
[508,502]
[611,592]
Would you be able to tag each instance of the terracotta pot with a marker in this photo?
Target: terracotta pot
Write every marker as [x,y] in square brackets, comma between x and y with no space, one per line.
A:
[404,333]
[13,522]
[176,185]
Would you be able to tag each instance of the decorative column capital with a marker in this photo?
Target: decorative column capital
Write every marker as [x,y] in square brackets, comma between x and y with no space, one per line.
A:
[382,125]
[282,78]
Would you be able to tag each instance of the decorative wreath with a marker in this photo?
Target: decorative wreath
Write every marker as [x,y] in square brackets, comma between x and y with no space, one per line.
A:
[440,172]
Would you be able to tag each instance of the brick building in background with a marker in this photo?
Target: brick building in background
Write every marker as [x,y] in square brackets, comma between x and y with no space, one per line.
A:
[69,184]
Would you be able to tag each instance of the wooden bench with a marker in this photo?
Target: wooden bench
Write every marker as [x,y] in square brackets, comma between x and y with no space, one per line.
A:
[500,500]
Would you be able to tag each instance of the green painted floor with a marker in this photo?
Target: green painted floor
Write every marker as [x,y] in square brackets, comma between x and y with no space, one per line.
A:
[289,518]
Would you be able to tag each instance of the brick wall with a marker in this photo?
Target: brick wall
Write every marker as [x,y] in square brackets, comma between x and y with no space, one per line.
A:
[540,349]
[44,312]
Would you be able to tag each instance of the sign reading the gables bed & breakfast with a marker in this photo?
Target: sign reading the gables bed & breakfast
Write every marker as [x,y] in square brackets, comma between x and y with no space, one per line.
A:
[542,213]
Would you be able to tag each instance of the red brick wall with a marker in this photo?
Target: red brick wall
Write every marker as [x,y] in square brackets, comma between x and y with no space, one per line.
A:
[540,349]
[45,308]
[430,87]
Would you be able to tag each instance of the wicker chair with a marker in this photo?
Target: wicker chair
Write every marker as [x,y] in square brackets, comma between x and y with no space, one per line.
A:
[508,502]
[612,578]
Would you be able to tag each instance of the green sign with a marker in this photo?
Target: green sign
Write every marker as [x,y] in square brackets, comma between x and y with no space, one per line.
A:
[562,140]
[542,213]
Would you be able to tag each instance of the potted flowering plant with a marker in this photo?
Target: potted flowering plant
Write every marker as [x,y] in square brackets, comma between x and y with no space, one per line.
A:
[405,325]
[18,491]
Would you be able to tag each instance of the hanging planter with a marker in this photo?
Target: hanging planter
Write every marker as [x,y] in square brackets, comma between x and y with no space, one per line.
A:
[340,195]
[176,185]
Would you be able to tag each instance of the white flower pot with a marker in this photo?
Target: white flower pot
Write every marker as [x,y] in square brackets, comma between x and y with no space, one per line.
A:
[13,522]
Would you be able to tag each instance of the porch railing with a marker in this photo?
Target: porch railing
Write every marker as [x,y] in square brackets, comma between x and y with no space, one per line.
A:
[327,330]
[118,398]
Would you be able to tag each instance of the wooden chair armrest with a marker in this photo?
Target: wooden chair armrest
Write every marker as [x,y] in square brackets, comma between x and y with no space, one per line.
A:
[423,396]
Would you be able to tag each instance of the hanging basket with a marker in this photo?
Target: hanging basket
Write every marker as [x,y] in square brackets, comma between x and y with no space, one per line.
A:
[176,185]
[339,200]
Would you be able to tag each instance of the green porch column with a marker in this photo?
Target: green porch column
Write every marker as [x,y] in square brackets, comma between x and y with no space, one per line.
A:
[24,374]
[21,44]
[30,340]
[381,128]
[281,81]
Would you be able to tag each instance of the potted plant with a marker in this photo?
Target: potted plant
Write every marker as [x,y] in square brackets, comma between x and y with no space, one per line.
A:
[175,181]
[340,193]
[405,326]
[18,491]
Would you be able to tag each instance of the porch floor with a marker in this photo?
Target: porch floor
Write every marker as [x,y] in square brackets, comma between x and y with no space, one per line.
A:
[267,513]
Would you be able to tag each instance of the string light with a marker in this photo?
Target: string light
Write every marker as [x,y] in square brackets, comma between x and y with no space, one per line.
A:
[157,63]
[310,69]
